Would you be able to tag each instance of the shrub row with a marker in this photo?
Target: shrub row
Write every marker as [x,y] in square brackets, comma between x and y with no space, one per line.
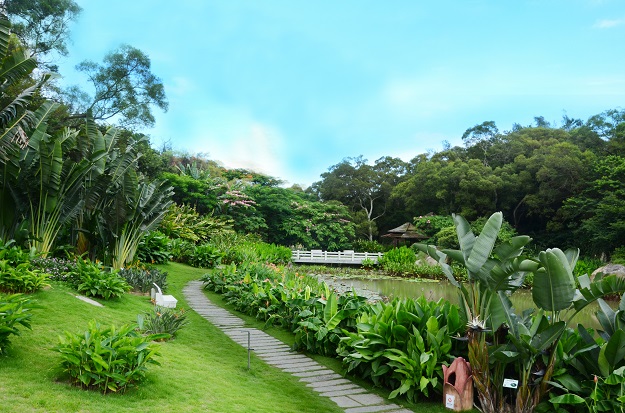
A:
[400,345]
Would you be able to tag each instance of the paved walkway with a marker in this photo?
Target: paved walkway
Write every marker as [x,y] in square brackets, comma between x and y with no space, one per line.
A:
[350,396]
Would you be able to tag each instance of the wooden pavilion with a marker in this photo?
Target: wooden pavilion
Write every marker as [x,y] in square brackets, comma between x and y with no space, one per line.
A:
[405,232]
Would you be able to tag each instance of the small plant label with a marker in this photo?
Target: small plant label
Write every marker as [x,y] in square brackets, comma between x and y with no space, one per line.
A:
[510,383]
[450,400]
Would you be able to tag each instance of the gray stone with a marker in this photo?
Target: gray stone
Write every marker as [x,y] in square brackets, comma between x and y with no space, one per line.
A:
[368,399]
[343,401]
[327,383]
[89,301]
[313,373]
[344,392]
[610,269]
[372,409]
[341,387]
[322,378]
[303,369]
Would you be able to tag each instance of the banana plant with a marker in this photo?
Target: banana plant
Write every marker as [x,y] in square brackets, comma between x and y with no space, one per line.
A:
[16,118]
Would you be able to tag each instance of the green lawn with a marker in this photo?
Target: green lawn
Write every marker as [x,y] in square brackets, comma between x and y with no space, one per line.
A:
[202,369]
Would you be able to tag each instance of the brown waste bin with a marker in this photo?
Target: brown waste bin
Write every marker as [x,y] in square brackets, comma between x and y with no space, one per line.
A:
[458,386]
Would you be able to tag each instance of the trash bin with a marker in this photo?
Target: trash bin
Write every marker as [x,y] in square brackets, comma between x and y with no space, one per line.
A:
[458,386]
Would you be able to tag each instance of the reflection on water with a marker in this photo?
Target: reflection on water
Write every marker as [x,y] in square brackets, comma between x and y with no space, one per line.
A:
[406,288]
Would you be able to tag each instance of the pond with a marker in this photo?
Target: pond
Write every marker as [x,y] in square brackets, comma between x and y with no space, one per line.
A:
[433,290]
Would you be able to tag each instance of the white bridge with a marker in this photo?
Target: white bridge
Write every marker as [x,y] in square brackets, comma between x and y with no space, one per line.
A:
[338,257]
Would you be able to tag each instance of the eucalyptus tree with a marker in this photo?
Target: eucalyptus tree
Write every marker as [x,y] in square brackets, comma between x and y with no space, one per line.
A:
[362,187]
[43,25]
[124,89]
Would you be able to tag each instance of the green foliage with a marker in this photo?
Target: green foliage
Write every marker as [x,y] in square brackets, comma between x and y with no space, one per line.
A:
[14,312]
[21,278]
[184,222]
[93,280]
[398,260]
[402,345]
[618,256]
[205,256]
[194,195]
[58,269]
[586,266]
[107,358]
[162,320]
[431,225]
[180,250]
[153,248]
[143,278]
[369,264]
[369,246]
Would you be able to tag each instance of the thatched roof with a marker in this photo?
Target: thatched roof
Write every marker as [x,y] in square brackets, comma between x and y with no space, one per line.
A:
[405,231]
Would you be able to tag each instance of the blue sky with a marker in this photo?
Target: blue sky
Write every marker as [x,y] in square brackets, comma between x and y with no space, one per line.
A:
[290,88]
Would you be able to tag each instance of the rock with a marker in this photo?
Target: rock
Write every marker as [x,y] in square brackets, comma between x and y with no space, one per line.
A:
[609,269]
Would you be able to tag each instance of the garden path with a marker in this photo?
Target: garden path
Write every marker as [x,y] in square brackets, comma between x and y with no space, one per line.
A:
[347,395]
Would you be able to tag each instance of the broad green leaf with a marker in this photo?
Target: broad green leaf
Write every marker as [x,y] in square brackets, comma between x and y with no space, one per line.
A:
[554,285]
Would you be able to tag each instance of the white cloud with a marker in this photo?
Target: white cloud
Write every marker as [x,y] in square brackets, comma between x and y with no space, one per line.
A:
[609,23]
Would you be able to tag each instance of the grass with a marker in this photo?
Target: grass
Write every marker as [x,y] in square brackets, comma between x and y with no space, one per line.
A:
[202,369]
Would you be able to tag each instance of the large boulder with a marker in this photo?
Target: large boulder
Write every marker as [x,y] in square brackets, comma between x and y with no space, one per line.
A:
[609,269]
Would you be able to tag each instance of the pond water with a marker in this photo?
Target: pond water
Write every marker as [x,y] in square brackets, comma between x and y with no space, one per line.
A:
[392,287]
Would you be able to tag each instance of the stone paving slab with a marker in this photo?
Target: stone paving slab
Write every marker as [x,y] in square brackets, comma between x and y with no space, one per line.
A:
[372,409]
[343,392]
[344,401]
[326,383]
[346,394]
[325,377]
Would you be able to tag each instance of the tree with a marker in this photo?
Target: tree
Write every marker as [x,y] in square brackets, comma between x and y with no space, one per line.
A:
[43,25]
[362,187]
[125,89]
[598,213]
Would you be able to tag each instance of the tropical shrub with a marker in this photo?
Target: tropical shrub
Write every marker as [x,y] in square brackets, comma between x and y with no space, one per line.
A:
[368,264]
[21,279]
[271,253]
[107,358]
[586,266]
[143,278]
[618,256]
[14,312]
[321,321]
[402,345]
[186,223]
[93,280]
[180,250]
[162,320]
[398,261]
[58,269]
[205,256]
[153,248]
[362,245]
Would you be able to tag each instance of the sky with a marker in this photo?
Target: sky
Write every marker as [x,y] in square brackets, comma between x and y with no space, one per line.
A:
[290,88]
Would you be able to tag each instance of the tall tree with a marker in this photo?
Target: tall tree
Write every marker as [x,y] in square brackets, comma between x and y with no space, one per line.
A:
[124,89]
[43,26]
[362,187]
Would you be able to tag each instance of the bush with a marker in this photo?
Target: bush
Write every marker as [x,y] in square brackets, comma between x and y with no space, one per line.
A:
[93,280]
[618,256]
[180,250]
[58,269]
[154,248]
[399,261]
[21,278]
[107,358]
[14,312]
[141,279]
[369,246]
[162,320]
[205,256]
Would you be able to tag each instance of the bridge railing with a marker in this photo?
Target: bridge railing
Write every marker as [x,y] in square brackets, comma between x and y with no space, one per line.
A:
[334,257]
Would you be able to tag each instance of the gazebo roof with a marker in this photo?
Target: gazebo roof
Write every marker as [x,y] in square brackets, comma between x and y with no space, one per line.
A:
[406,231]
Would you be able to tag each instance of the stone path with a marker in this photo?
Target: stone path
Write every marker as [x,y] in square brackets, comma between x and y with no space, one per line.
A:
[350,396]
